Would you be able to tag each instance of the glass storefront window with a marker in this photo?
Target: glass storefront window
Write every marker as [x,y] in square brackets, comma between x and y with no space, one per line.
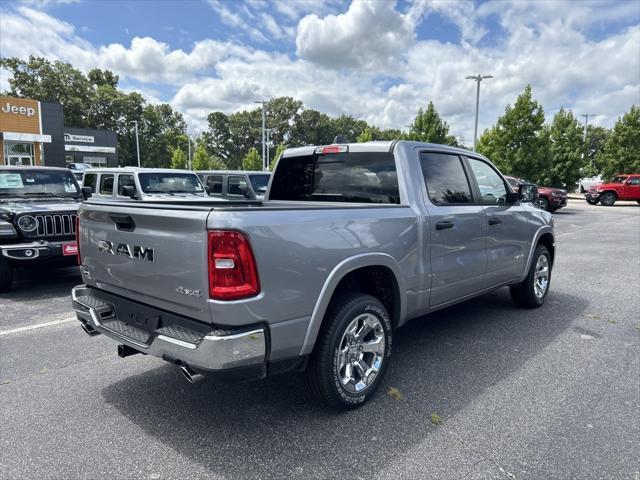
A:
[18,153]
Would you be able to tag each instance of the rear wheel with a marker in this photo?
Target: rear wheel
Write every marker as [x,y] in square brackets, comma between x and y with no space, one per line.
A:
[351,353]
[532,292]
[608,199]
[6,275]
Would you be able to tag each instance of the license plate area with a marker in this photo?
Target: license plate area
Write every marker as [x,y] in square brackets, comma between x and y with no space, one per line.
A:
[139,317]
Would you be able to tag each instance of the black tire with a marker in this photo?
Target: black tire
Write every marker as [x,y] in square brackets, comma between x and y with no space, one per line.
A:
[323,376]
[524,294]
[608,199]
[542,203]
[6,275]
[592,202]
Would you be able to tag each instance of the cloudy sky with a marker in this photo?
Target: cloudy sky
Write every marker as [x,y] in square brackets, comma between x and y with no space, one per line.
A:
[377,60]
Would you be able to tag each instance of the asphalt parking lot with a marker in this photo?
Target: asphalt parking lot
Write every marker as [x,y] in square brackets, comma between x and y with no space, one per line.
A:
[482,390]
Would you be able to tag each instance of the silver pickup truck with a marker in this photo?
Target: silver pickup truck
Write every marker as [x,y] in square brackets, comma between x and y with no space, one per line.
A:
[350,242]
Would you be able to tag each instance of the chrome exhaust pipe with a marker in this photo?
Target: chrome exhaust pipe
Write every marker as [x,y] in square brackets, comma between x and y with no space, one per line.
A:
[89,330]
[190,375]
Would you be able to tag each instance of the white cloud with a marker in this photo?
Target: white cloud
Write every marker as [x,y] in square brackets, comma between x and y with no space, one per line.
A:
[390,73]
[369,35]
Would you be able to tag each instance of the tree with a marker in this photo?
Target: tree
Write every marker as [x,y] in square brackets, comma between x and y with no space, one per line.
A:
[622,149]
[566,150]
[40,79]
[201,159]
[347,127]
[252,161]
[281,148]
[429,127]
[218,136]
[518,144]
[178,158]
[312,128]
[596,139]
[365,136]
[95,101]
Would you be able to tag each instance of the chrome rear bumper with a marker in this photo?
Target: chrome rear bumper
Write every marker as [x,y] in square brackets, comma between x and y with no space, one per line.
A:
[207,350]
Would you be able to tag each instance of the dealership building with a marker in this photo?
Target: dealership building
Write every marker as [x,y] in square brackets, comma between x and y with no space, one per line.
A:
[33,133]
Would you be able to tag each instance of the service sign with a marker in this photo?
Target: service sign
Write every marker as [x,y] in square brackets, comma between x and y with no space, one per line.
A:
[69,137]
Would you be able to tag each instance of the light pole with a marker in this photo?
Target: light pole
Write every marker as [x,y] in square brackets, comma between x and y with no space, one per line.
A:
[135,122]
[478,78]
[584,136]
[189,152]
[268,130]
[264,121]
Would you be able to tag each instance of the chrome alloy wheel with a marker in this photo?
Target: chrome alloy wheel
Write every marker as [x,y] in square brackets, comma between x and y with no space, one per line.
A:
[541,278]
[360,353]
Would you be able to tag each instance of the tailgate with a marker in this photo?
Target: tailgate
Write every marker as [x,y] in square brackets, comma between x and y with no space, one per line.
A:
[152,255]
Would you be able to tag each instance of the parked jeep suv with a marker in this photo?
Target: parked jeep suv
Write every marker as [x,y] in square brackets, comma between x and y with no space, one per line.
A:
[235,185]
[37,219]
[621,187]
[148,184]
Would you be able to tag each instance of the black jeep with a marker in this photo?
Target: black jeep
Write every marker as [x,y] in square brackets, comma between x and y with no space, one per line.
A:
[37,219]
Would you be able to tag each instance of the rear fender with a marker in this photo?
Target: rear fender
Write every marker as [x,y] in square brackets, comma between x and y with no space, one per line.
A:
[337,274]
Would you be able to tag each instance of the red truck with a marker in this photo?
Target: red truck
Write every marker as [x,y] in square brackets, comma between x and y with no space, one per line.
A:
[621,187]
[549,198]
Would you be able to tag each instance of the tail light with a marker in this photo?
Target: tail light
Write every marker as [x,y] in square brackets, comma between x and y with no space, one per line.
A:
[232,268]
[78,239]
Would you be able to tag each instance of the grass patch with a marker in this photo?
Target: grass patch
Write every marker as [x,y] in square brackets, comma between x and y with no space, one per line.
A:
[436,419]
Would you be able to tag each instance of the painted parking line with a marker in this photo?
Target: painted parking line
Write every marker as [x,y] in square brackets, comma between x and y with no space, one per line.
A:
[36,326]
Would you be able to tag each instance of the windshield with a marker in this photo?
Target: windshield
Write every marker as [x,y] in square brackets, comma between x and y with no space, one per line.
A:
[167,182]
[37,183]
[618,179]
[259,183]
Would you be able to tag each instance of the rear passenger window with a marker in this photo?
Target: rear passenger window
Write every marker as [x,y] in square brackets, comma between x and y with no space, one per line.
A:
[237,186]
[90,180]
[125,181]
[106,184]
[214,182]
[445,178]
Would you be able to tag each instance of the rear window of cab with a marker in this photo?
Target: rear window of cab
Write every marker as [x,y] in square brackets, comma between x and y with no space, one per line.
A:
[355,177]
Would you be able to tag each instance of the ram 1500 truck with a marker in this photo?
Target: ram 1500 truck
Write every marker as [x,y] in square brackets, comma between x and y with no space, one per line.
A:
[350,242]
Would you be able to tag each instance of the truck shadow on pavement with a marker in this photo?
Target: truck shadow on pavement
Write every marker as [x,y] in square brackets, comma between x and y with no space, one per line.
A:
[274,428]
[42,283]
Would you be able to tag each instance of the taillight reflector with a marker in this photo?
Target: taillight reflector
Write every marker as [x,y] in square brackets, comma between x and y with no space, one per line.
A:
[232,268]
[79,257]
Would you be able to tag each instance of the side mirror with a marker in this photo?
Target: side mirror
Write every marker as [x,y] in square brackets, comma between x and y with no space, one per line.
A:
[207,189]
[87,192]
[528,192]
[248,195]
[129,191]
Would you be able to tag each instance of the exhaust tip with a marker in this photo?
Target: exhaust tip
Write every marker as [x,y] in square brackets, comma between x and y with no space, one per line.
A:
[89,330]
[190,375]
